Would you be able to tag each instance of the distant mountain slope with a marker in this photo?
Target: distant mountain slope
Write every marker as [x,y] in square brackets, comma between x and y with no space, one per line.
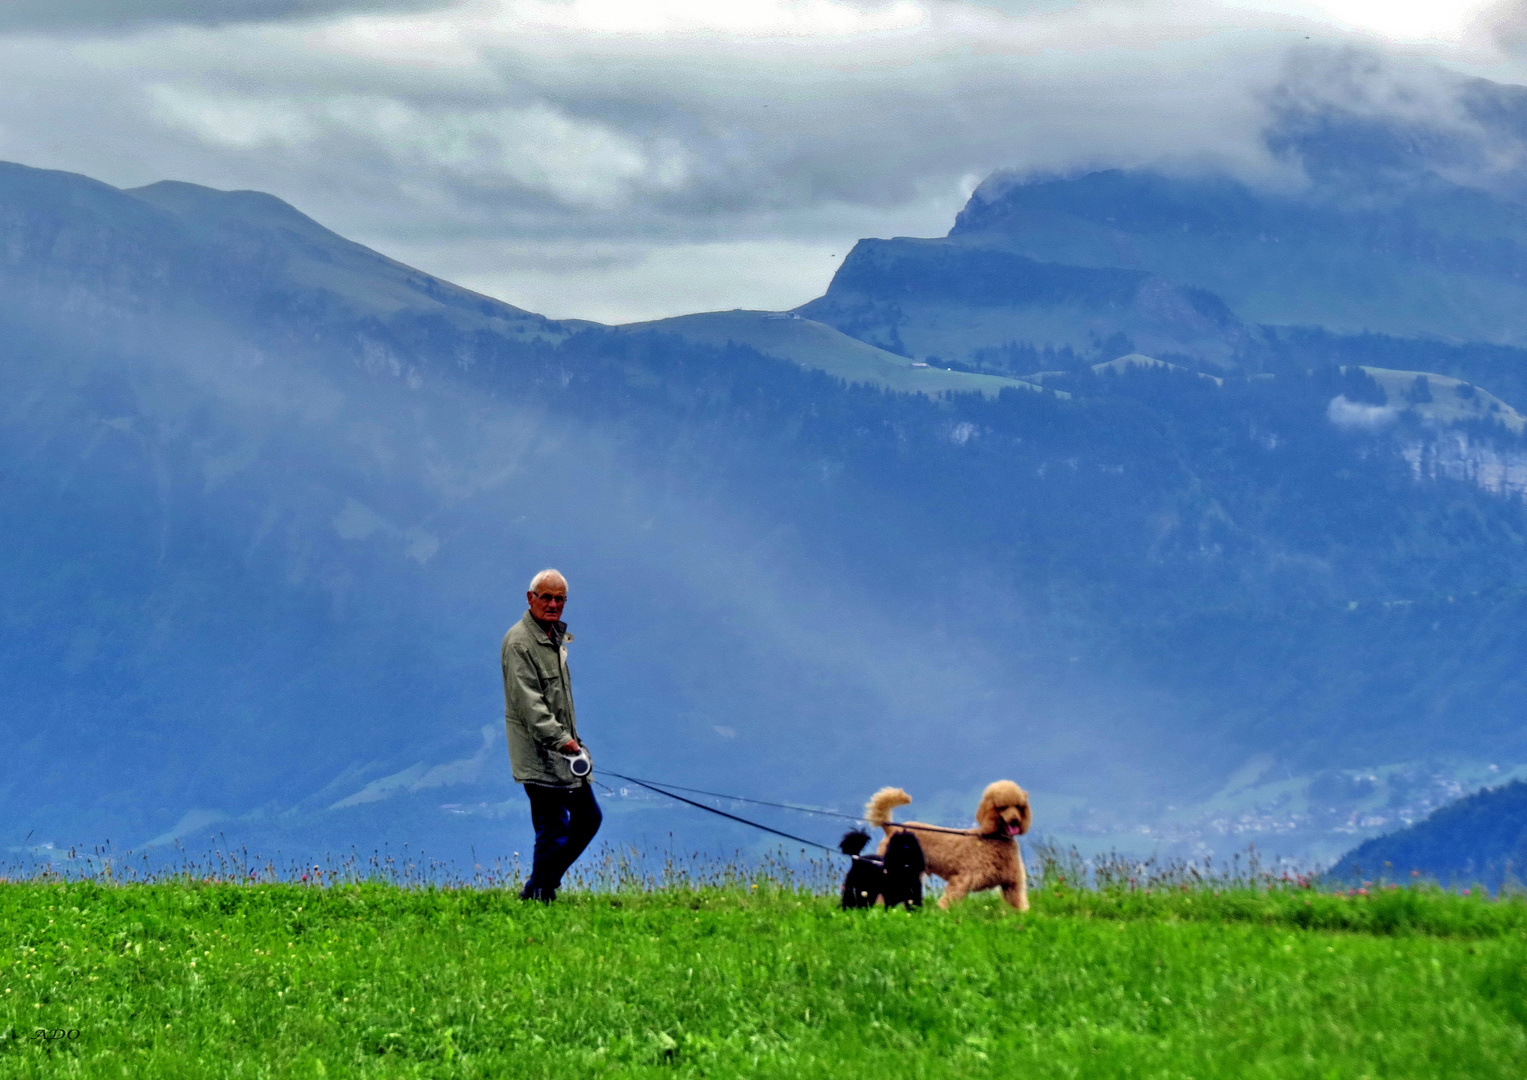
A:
[1124,365]
[816,345]
[1476,840]
[1427,259]
[1369,225]
[934,298]
[175,252]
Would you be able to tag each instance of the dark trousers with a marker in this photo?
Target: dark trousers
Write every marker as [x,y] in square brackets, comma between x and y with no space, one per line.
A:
[565,820]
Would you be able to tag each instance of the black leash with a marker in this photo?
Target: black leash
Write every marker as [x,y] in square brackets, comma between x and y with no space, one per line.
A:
[723,813]
[662,786]
[788,806]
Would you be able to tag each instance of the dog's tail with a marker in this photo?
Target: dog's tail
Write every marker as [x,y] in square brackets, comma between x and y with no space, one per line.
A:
[878,810]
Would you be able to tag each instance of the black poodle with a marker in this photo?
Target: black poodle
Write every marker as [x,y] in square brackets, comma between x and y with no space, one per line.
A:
[896,877]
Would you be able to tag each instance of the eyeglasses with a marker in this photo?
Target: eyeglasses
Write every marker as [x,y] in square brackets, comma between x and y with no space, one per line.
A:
[550,598]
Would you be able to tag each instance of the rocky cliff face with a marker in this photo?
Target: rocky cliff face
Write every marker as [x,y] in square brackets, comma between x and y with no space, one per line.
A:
[1454,456]
[937,301]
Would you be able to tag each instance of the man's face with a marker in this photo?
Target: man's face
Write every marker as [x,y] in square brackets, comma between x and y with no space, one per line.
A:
[546,603]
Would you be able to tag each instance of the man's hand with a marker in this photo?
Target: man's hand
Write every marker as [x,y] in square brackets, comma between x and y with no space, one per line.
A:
[571,747]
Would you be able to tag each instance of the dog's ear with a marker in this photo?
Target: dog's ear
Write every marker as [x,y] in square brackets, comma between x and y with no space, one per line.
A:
[853,841]
[987,819]
[1026,816]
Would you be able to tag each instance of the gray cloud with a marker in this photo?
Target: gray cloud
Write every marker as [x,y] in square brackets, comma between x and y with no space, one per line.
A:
[533,147]
[75,16]
[559,128]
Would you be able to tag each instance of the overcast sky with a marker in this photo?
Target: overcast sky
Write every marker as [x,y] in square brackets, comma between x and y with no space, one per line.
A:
[621,160]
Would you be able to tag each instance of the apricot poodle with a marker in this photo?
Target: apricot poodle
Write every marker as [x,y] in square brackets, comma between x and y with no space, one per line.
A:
[969,860]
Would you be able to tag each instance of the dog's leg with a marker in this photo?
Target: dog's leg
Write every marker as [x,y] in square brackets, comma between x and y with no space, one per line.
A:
[955,889]
[1017,894]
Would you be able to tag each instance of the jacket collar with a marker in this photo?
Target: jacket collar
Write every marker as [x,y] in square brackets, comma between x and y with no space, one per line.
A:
[541,635]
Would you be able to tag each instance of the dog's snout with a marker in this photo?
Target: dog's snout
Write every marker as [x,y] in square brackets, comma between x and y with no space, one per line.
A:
[1015,819]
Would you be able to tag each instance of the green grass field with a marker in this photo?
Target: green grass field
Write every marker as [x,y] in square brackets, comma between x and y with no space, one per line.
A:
[208,980]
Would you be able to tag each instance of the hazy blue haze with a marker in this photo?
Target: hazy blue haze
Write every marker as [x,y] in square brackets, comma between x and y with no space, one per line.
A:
[271,501]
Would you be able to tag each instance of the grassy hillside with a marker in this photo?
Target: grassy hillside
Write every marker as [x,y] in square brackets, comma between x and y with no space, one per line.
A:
[1444,400]
[188,979]
[816,345]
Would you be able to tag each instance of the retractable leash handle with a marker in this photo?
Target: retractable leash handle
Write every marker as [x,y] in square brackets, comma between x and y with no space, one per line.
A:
[579,764]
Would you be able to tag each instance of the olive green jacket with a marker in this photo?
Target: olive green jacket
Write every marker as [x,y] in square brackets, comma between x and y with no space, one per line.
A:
[538,705]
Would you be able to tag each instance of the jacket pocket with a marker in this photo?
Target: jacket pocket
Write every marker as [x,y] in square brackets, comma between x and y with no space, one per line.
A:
[560,768]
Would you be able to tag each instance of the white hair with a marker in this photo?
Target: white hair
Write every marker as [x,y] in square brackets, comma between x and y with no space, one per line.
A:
[546,577]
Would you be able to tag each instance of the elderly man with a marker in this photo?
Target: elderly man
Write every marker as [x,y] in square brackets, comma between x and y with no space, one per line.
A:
[542,729]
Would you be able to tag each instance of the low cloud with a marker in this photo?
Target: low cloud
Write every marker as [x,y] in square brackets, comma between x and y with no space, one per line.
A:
[1358,416]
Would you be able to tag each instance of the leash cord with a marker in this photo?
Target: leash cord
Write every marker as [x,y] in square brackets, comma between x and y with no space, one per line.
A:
[661,786]
[722,813]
